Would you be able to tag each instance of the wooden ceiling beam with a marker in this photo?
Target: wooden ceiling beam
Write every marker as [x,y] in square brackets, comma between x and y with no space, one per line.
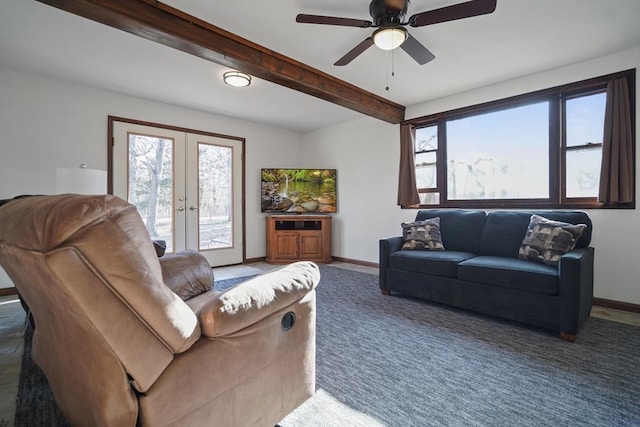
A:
[171,27]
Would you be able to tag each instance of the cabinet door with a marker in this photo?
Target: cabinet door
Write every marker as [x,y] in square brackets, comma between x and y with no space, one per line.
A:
[311,246]
[287,245]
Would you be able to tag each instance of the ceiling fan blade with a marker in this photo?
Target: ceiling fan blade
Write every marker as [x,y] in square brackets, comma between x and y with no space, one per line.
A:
[331,20]
[417,51]
[452,13]
[355,52]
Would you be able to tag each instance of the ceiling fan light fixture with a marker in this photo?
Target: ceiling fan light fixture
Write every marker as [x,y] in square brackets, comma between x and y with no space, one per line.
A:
[236,79]
[389,38]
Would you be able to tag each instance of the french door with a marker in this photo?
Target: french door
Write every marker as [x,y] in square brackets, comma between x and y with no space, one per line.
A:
[186,186]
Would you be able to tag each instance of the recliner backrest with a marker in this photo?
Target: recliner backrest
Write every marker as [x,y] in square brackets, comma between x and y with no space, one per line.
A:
[100,267]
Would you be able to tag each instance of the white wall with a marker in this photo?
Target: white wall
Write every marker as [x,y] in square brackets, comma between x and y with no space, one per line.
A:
[366,154]
[47,124]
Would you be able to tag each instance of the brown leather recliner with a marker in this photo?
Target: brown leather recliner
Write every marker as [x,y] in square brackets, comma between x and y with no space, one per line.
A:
[120,348]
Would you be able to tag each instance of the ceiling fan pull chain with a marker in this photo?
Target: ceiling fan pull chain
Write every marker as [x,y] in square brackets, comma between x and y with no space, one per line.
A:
[393,64]
[386,70]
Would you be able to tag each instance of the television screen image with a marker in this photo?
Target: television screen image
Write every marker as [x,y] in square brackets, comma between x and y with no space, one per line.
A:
[299,191]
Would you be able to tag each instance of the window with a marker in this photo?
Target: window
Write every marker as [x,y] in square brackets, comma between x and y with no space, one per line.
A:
[541,150]
[492,156]
[426,165]
[583,150]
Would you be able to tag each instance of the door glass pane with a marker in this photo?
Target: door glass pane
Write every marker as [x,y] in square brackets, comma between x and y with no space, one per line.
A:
[583,172]
[500,155]
[585,119]
[215,187]
[151,184]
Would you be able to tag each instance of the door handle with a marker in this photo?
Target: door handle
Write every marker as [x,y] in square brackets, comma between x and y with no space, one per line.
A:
[180,209]
[192,208]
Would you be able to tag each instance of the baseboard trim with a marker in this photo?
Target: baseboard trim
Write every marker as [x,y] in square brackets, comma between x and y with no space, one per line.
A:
[356,262]
[5,292]
[255,260]
[617,305]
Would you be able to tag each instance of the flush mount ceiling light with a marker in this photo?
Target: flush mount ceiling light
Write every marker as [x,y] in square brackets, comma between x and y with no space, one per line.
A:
[389,38]
[237,79]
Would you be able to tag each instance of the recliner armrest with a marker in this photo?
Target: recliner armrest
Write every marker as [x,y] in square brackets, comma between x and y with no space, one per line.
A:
[187,273]
[576,288]
[223,313]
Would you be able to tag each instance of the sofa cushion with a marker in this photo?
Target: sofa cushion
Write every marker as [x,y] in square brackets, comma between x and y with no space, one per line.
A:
[436,263]
[461,230]
[422,235]
[510,273]
[546,240]
[504,230]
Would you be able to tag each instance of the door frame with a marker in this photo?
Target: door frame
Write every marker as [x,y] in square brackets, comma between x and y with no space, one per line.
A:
[111,142]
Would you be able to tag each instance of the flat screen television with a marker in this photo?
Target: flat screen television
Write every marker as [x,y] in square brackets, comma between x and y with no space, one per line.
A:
[299,191]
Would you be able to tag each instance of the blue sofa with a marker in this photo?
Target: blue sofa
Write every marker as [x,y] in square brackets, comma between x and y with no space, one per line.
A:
[479,269]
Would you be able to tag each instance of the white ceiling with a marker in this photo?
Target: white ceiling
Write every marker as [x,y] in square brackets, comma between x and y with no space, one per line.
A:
[520,38]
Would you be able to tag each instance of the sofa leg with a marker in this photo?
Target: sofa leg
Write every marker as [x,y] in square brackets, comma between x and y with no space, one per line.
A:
[385,291]
[567,337]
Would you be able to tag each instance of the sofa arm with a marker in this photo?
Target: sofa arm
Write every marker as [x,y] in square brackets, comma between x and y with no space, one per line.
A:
[187,273]
[223,313]
[576,289]
[387,247]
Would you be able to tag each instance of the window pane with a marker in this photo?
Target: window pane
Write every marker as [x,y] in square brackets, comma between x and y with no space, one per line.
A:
[151,184]
[215,175]
[585,119]
[429,198]
[426,176]
[583,172]
[427,138]
[500,155]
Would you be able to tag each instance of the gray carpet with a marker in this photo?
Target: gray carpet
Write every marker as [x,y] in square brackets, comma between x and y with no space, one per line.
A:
[35,405]
[393,361]
[400,362]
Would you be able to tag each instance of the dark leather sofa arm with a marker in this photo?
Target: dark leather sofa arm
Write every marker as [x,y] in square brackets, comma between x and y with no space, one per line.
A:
[576,290]
[387,247]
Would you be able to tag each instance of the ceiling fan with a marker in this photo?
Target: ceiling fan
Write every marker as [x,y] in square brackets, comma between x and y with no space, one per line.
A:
[391,33]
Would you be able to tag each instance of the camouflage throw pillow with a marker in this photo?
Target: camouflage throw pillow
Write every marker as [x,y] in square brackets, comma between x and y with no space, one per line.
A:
[422,235]
[546,240]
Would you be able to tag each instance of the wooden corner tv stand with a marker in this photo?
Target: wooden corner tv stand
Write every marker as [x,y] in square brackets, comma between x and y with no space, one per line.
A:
[293,238]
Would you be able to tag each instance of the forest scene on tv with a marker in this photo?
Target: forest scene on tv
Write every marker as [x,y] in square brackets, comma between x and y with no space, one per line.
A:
[299,190]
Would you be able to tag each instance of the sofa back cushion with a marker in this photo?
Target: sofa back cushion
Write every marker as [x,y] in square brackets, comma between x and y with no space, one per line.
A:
[505,230]
[461,230]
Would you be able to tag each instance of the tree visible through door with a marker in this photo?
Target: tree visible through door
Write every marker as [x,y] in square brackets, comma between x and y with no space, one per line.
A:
[186,186]
[215,171]
[151,184]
